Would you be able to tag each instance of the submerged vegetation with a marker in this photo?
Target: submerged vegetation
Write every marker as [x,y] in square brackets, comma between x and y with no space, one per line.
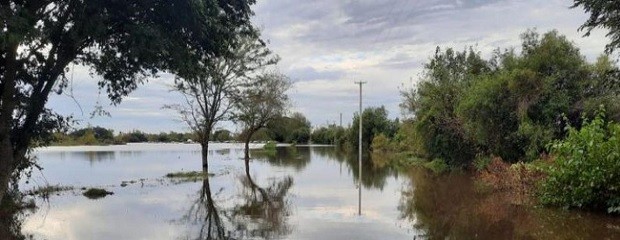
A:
[96,193]
[189,175]
[46,191]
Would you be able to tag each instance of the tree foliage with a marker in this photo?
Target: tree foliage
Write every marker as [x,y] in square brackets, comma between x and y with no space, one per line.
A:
[603,14]
[586,169]
[510,105]
[124,42]
[375,121]
[290,129]
[261,103]
[216,86]
[330,134]
[434,101]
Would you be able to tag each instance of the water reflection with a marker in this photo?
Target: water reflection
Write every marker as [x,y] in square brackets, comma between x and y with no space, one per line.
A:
[263,212]
[372,177]
[292,157]
[257,213]
[448,207]
[298,193]
[206,214]
[93,156]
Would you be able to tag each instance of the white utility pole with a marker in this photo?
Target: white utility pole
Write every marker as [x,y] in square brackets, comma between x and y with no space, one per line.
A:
[359,181]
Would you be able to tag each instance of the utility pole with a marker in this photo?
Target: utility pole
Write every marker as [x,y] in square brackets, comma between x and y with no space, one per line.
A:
[359,181]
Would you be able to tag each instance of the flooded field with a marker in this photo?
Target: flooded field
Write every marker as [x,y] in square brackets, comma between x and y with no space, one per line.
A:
[298,193]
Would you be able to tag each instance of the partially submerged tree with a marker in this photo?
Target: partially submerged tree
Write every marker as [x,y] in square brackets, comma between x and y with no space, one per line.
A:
[122,41]
[261,104]
[212,89]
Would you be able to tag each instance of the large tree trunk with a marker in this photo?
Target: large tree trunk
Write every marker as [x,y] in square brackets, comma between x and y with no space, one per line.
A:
[7,106]
[205,155]
[6,165]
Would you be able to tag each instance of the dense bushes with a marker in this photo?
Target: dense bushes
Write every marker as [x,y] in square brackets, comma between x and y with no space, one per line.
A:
[375,121]
[293,129]
[331,134]
[586,172]
[511,105]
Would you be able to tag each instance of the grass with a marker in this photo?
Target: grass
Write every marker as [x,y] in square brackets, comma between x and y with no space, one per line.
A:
[192,176]
[405,161]
[96,193]
[48,190]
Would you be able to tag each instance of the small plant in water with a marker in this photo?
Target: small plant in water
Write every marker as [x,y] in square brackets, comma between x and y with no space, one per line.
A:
[46,191]
[96,193]
[192,176]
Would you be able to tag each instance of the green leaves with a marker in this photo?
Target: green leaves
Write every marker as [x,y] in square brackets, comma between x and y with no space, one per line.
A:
[585,173]
[511,105]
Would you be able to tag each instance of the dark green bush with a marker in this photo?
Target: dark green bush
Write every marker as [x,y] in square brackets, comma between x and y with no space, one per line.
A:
[586,173]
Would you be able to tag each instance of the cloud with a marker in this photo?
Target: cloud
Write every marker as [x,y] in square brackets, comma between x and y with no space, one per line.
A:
[309,73]
[326,45]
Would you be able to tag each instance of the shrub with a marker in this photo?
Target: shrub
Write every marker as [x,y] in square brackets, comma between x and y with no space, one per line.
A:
[270,148]
[481,162]
[438,165]
[96,193]
[586,173]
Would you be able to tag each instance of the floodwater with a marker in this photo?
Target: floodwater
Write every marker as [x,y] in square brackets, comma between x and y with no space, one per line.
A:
[298,193]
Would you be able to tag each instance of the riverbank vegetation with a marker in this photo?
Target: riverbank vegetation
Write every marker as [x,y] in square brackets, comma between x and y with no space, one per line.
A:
[521,119]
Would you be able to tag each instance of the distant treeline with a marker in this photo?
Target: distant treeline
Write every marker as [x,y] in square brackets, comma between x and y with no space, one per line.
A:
[287,129]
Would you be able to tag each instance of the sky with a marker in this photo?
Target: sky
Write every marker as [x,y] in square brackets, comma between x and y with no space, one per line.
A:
[326,45]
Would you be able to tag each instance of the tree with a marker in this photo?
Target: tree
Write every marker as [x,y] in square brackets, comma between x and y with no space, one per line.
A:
[101,135]
[374,123]
[603,14]
[511,105]
[222,135]
[213,89]
[122,41]
[330,134]
[290,129]
[261,104]
[432,103]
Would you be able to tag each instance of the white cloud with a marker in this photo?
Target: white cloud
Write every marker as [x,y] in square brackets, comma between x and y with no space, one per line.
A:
[327,45]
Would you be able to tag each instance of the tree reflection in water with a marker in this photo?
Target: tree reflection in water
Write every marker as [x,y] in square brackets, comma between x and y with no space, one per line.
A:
[257,212]
[292,157]
[263,211]
[449,207]
[373,177]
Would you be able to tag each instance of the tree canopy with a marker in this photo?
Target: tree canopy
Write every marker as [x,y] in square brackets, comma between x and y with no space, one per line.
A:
[511,105]
[603,14]
[124,42]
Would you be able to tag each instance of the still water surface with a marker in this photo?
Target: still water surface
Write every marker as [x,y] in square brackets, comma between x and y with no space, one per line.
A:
[300,193]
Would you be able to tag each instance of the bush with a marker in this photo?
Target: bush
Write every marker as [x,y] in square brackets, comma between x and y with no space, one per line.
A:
[586,173]
[437,166]
[96,193]
[270,146]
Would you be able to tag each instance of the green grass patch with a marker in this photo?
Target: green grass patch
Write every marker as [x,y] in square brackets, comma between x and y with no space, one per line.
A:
[96,193]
